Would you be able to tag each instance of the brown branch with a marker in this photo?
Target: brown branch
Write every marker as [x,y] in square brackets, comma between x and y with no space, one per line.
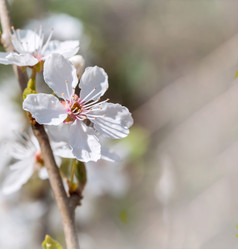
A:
[65,204]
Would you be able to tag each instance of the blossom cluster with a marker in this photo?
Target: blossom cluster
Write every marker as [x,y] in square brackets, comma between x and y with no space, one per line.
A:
[74,115]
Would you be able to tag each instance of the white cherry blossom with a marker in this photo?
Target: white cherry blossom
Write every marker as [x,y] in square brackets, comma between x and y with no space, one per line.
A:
[30,48]
[78,119]
[28,158]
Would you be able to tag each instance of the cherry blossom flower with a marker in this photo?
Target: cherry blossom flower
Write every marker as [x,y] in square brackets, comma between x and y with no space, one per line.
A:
[31,49]
[28,160]
[78,119]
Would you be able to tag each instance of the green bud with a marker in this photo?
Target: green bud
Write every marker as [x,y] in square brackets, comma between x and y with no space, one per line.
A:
[28,91]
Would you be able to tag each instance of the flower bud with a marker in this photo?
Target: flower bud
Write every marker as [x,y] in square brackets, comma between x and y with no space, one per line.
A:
[79,63]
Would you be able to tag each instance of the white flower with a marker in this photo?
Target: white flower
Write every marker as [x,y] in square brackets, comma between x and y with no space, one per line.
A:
[29,159]
[31,49]
[79,118]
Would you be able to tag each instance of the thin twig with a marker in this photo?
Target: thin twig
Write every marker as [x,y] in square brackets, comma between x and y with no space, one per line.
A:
[65,204]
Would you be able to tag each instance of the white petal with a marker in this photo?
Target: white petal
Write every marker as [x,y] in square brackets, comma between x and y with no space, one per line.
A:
[93,78]
[20,151]
[57,71]
[3,59]
[66,48]
[61,149]
[84,143]
[81,140]
[21,59]
[45,108]
[115,123]
[59,133]
[20,173]
[26,41]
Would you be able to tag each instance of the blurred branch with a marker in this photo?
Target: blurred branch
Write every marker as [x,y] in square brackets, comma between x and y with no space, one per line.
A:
[6,42]
[65,204]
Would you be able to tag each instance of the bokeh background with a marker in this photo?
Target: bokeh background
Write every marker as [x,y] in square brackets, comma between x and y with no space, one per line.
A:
[173,64]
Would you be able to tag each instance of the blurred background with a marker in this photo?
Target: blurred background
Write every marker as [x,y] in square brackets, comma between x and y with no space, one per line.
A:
[173,64]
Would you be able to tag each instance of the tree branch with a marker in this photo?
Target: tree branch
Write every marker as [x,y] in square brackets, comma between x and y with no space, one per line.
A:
[65,204]
[67,213]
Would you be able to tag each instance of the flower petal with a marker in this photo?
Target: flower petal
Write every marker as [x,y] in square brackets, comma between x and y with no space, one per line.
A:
[26,41]
[3,59]
[58,134]
[21,59]
[61,149]
[112,121]
[95,80]
[84,142]
[75,140]
[60,75]
[66,48]
[20,173]
[45,108]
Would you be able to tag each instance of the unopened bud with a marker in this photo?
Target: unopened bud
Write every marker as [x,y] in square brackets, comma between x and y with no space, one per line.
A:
[79,63]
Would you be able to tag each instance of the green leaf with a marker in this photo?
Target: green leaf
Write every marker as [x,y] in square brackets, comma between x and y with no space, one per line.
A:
[50,243]
[236,76]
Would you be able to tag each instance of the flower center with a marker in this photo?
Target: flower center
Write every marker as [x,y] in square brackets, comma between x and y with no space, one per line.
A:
[75,109]
[38,56]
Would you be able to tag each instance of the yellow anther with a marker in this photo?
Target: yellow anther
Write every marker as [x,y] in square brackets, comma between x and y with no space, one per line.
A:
[66,82]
